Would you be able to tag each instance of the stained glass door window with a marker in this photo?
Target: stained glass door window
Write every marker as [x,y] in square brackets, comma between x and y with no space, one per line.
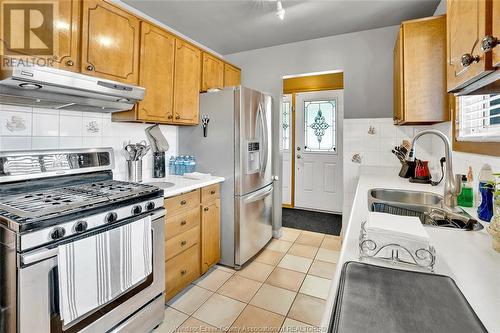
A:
[285,124]
[320,126]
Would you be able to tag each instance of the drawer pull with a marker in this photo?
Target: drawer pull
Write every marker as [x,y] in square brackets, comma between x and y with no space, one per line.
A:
[205,209]
[183,202]
[183,222]
[183,243]
[183,272]
[212,192]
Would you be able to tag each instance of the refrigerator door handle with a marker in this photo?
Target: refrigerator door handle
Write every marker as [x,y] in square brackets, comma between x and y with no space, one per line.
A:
[263,164]
[258,196]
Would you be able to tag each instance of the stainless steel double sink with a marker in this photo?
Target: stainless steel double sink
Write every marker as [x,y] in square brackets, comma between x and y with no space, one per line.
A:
[427,206]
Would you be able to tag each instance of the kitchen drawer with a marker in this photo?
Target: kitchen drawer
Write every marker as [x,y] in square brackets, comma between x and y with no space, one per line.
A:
[210,193]
[182,202]
[181,270]
[182,222]
[181,242]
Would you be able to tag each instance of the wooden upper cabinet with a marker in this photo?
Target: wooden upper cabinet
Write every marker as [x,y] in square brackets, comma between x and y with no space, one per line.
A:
[420,73]
[398,72]
[186,83]
[212,75]
[67,28]
[468,22]
[496,32]
[231,76]
[156,74]
[110,42]
[210,234]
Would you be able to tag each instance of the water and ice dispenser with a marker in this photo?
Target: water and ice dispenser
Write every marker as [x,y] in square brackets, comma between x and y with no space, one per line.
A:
[253,157]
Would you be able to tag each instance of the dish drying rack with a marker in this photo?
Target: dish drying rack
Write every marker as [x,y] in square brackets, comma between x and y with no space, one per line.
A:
[369,249]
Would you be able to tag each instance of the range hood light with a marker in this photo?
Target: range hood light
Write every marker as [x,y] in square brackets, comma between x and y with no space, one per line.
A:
[30,86]
[123,100]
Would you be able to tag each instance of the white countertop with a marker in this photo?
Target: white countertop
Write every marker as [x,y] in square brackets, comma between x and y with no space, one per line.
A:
[465,256]
[181,184]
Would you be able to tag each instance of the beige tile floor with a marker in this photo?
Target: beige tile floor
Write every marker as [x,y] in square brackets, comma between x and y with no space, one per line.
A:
[283,288]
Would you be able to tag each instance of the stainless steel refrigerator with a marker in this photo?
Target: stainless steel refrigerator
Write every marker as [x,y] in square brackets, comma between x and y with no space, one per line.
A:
[237,146]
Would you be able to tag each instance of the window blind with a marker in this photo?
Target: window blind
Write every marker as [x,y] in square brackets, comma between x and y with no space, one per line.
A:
[479,118]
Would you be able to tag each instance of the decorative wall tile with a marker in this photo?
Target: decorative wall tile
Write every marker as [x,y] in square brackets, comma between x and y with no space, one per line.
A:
[15,123]
[92,126]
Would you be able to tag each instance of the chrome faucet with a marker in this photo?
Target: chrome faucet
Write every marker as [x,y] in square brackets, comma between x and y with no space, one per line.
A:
[452,182]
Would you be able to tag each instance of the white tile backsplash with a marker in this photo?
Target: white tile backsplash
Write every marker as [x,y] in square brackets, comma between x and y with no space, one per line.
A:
[23,128]
[375,149]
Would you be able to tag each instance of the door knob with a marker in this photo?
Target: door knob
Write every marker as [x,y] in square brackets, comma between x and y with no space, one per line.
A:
[90,67]
[488,43]
[298,148]
[468,59]
[299,156]
[70,62]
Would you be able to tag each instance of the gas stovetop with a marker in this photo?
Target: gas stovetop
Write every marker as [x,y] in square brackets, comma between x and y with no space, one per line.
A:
[41,203]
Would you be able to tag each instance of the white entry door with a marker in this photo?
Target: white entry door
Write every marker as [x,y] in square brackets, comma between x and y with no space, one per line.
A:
[318,150]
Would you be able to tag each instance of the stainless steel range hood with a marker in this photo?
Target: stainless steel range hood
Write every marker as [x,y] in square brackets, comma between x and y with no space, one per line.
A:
[46,87]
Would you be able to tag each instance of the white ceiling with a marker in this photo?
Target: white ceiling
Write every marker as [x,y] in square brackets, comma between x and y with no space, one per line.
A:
[232,26]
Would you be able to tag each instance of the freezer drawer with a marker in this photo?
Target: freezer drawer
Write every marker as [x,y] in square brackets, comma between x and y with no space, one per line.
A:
[253,228]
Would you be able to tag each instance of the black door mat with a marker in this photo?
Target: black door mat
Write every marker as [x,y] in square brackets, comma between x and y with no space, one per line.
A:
[324,223]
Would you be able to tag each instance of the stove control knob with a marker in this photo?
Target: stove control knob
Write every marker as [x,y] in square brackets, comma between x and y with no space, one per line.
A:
[111,217]
[57,233]
[150,206]
[80,226]
[136,209]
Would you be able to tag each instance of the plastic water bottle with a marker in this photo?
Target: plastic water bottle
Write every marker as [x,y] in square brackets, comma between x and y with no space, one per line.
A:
[171,165]
[178,166]
[192,164]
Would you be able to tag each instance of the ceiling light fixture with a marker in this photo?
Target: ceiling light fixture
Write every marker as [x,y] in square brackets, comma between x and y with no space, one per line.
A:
[280,11]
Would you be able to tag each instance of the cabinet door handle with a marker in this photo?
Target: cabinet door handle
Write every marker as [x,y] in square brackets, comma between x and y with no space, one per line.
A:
[205,209]
[70,62]
[177,117]
[183,243]
[183,222]
[212,192]
[183,272]
[183,202]
[488,43]
[169,116]
[90,68]
[468,59]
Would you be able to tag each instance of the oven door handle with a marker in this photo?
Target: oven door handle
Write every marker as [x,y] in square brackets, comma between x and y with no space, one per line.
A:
[28,259]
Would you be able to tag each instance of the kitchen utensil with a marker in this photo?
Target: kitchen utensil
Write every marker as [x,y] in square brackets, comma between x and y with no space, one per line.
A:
[156,139]
[204,123]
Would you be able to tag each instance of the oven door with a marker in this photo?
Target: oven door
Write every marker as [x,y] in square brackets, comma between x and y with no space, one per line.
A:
[38,291]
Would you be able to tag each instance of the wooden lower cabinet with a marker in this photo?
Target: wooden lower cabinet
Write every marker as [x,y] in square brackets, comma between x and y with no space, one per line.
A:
[181,270]
[192,236]
[210,231]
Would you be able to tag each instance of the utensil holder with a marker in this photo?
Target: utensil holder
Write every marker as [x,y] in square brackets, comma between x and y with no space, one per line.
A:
[134,171]
[159,164]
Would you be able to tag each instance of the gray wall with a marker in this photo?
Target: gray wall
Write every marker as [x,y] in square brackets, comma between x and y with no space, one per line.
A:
[365,57]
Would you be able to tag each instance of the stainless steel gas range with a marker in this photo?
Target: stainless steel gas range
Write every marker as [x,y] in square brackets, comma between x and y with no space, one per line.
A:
[51,202]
